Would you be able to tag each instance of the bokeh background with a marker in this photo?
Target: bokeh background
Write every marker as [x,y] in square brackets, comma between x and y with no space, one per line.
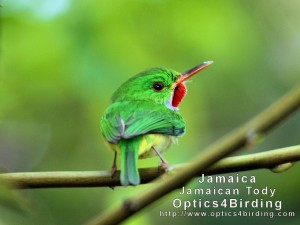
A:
[61,60]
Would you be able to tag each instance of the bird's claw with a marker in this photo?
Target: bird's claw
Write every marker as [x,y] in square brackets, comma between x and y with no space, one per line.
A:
[164,166]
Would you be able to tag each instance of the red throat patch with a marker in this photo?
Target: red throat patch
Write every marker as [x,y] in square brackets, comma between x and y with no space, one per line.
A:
[179,93]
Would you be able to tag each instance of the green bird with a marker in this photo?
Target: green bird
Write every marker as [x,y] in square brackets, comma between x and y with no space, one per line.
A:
[143,119]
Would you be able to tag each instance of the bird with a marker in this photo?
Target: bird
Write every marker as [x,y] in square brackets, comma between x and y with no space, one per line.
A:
[143,118]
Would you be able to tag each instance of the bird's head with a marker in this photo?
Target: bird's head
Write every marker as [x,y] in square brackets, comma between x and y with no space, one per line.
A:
[161,85]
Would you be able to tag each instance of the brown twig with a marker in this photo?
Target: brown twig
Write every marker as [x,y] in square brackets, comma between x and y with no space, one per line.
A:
[264,160]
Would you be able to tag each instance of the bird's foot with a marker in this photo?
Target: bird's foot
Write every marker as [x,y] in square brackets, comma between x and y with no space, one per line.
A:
[164,166]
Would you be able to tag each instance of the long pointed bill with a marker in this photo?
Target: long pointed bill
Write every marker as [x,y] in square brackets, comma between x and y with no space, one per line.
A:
[179,86]
[186,75]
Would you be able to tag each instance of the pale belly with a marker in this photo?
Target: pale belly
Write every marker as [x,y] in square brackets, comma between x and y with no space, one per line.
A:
[159,141]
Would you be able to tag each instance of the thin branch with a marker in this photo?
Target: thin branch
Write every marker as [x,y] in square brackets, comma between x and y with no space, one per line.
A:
[272,160]
[225,146]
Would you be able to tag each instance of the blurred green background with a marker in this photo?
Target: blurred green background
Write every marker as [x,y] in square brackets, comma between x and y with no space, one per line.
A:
[62,60]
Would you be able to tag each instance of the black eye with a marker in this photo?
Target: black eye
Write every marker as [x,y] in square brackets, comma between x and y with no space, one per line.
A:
[158,86]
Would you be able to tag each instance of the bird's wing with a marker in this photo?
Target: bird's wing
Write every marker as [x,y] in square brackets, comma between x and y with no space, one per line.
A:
[124,120]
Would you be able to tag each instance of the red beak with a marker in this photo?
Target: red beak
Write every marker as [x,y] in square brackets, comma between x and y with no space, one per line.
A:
[186,75]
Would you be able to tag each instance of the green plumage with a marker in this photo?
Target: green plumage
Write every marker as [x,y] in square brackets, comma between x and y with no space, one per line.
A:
[143,118]
[130,174]
[128,119]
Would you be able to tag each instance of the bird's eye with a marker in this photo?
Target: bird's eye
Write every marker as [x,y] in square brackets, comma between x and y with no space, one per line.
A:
[158,86]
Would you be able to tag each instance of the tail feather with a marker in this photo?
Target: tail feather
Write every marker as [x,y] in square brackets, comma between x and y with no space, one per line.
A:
[129,173]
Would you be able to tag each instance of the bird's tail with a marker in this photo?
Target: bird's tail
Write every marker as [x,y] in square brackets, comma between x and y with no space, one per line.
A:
[129,172]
